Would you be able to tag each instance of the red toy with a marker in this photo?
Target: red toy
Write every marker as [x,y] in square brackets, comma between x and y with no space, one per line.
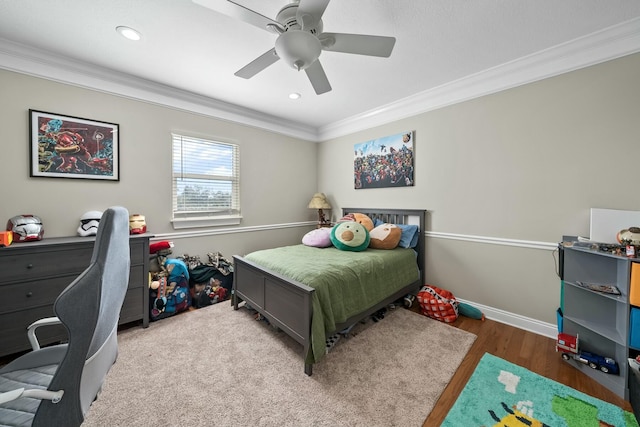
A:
[6,237]
[568,345]
[159,246]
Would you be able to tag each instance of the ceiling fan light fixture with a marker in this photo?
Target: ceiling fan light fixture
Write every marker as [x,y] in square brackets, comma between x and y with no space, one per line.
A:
[299,49]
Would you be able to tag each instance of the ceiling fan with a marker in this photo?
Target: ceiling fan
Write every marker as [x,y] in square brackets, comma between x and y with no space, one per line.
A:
[300,38]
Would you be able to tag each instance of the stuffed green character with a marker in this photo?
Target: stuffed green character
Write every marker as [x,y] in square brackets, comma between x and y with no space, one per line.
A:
[350,236]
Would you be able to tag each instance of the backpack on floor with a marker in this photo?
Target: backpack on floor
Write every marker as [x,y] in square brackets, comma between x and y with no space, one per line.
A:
[172,295]
[438,303]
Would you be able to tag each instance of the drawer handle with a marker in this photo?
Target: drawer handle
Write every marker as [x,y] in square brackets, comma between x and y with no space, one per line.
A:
[29,294]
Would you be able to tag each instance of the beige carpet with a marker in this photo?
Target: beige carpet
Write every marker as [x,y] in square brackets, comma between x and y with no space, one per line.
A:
[219,367]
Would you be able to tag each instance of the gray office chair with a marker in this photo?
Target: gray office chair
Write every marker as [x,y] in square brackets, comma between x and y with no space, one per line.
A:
[55,385]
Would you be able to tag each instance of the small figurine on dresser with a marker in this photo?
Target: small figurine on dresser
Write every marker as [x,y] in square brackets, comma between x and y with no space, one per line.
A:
[89,223]
[25,228]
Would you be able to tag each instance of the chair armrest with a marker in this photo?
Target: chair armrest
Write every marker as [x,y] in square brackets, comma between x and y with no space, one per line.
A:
[31,330]
[11,395]
[53,396]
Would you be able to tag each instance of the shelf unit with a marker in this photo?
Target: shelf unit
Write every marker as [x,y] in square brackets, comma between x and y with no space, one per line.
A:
[601,320]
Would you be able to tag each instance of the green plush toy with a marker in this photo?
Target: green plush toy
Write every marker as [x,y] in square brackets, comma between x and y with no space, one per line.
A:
[470,311]
[350,236]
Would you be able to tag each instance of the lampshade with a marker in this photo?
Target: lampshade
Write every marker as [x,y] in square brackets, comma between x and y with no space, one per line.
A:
[298,49]
[319,201]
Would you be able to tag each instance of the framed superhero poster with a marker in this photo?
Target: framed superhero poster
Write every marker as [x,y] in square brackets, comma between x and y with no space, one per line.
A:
[384,162]
[73,147]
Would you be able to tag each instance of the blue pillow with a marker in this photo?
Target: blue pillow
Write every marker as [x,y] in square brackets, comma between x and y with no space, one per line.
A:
[410,234]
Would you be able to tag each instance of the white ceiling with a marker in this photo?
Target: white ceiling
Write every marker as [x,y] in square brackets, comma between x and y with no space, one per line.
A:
[444,48]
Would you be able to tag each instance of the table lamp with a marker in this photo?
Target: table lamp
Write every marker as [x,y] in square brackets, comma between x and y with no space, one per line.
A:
[319,201]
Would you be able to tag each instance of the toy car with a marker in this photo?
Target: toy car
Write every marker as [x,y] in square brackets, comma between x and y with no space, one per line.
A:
[568,345]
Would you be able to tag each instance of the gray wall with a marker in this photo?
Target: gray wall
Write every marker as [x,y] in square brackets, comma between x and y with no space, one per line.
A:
[501,173]
[278,173]
[498,174]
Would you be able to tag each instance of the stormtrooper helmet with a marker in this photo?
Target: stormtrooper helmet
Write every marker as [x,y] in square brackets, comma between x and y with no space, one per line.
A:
[137,224]
[25,228]
[89,223]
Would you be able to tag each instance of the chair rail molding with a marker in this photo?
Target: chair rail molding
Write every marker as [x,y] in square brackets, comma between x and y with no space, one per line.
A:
[530,244]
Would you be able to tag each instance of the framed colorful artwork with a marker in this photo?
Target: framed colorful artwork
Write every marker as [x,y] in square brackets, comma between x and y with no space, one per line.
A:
[384,162]
[73,147]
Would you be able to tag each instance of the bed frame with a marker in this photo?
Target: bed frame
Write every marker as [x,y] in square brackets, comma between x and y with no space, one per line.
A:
[286,303]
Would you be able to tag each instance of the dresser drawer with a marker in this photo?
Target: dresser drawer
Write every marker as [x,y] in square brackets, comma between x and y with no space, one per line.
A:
[139,251]
[13,334]
[37,264]
[137,277]
[131,306]
[33,274]
[23,296]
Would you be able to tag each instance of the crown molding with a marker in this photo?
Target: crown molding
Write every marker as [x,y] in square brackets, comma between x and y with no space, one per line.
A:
[610,43]
[39,63]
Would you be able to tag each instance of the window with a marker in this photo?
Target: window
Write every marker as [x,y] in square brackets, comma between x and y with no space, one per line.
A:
[206,187]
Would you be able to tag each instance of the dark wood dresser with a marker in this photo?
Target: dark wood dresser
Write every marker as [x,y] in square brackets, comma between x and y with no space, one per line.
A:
[32,275]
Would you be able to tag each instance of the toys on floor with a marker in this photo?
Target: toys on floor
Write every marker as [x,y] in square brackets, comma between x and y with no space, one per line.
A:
[468,310]
[169,290]
[568,346]
[182,283]
[437,303]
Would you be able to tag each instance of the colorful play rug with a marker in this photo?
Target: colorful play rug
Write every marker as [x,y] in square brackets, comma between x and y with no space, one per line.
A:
[500,393]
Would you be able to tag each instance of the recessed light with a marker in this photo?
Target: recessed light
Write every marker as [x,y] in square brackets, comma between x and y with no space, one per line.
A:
[128,33]
[295,95]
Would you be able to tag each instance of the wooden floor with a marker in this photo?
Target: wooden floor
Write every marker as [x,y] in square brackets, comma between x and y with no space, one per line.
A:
[529,350]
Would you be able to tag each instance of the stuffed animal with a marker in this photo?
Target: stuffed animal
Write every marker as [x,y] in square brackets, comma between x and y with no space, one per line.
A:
[350,236]
[176,268]
[364,220]
[318,238]
[347,217]
[385,236]
[470,311]
[360,218]
[160,246]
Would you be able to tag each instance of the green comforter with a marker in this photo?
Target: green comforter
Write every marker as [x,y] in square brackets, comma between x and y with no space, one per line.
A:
[346,283]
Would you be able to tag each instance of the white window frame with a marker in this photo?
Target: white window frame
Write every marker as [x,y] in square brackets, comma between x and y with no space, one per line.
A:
[182,145]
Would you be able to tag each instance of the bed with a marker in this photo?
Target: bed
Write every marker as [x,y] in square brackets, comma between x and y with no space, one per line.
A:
[313,306]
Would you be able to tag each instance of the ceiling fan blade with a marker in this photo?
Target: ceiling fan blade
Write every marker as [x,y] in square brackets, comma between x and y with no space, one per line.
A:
[358,44]
[318,78]
[237,11]
[258,64]
[310,12]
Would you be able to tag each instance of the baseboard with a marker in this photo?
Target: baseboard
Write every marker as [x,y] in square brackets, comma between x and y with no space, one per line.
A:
[532,325]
